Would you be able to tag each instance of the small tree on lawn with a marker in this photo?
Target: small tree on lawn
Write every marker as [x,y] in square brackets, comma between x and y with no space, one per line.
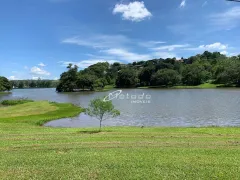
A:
[101,110]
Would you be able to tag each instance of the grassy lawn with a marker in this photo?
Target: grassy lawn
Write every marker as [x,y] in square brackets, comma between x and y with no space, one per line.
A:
[28,151]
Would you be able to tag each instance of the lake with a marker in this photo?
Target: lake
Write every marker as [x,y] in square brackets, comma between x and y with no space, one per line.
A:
[150,107]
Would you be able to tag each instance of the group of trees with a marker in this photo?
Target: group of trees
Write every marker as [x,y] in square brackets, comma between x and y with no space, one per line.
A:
[20,84]
[207,67]
[94,77]
[5,85]
[195,70]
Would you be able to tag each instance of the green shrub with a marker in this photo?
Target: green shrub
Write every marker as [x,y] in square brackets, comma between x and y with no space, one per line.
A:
[13,102]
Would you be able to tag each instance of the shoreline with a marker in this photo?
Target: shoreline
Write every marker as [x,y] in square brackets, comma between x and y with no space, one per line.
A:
[112,87]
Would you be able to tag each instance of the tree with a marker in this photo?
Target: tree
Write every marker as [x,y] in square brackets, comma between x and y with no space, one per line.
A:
[32,84]
[99,69]
[127,78]
[101,110]
[86,81]
[194,74]
[195,70]
[145,75]
[68,80]
[166,77]
[100,83]
[21,85]
[5,85]
[164,65]
[228,72]
[112,72]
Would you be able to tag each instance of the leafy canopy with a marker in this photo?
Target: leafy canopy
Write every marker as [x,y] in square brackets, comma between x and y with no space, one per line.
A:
[102,110]
[5,85]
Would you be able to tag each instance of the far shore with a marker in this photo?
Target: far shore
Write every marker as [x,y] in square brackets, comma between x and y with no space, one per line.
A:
[111,87]
[201,86]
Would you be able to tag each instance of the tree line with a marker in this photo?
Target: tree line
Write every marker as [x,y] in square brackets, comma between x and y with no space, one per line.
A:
[212,67]
[20,84]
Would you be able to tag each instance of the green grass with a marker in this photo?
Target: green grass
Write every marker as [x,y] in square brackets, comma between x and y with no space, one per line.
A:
[27,109]
[106,88]
[201,86]
[3,93]
[28,151]
[38,112]
[13,102]
[31,152]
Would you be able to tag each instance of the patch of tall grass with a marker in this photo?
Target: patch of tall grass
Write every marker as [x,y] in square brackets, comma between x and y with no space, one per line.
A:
[13,102]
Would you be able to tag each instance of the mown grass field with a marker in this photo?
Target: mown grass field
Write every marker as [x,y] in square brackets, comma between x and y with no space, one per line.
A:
[28,151]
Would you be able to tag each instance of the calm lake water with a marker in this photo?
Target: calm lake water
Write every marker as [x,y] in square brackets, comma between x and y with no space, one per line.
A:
[150,107]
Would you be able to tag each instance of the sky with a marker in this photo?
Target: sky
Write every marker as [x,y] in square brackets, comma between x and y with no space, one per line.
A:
[39,38]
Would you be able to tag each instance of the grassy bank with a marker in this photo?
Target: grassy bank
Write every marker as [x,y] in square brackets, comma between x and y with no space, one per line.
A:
[106,88]
[28,151]
[36,113]
[5,93]
[201,86]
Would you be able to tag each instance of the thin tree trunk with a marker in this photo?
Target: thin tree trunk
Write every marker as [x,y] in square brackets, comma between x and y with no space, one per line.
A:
[100,126]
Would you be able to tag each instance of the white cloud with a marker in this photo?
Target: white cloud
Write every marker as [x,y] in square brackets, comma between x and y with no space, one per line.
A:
[100,57]
[165,55]
[41,64]
[98,41]
[224,52]
[115,48]
[86,63]
[36,78]
[233,54]
[215,46]
[150,44]
[12,78]
[125,55]
[170,47]
[119,55]
[38,71]
[134,11]
[227,19]
[183,4]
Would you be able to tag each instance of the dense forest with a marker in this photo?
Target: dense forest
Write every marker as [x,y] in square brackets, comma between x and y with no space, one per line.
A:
[5,85]
[20,84]
[208,67]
